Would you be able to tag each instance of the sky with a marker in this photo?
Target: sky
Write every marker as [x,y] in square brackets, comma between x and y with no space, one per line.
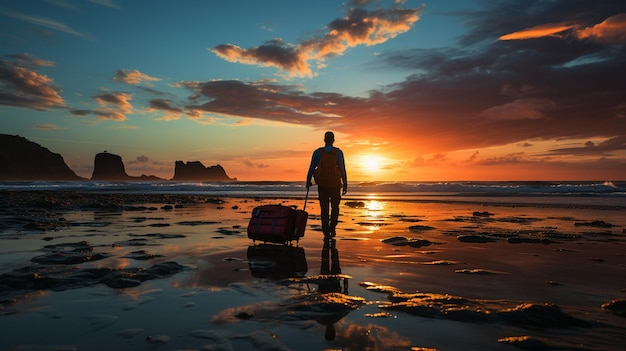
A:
[439,90]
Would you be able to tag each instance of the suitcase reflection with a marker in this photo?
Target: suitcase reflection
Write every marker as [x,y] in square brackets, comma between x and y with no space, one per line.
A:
[276,262]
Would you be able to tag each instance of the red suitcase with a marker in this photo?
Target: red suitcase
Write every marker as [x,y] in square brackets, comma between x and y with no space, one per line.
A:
[273,223]
[277,223]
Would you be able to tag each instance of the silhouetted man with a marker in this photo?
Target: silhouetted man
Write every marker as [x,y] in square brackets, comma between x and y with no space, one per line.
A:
[329,169]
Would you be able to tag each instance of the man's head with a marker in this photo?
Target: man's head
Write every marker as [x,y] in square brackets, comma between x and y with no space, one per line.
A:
[329,138]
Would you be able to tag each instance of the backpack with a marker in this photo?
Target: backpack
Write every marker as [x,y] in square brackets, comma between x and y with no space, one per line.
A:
[327,174]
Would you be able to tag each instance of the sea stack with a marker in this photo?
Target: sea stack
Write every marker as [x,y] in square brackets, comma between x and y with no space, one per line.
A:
[108,166]
[195,170]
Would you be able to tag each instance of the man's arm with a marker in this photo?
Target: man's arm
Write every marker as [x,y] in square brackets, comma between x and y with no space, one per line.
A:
[342,168]
[315,160]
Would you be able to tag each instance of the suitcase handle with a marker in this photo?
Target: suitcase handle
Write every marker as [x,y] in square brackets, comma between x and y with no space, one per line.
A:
[306,198]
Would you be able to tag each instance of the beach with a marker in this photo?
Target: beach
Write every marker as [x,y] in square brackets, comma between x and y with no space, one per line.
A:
[119,271]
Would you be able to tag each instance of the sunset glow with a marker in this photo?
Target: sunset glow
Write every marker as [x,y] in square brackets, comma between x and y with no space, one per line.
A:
[425,91]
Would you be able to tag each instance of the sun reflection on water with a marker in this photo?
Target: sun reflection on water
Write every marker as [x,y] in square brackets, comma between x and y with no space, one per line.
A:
[375,212]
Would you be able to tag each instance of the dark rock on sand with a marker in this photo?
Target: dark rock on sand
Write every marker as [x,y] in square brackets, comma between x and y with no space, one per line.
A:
[141,255]
[225,231]
[63,277]
[131,277]
[618,307]
[420,228]
[402,241]
[355,204]
[21,159]
[475,239]
[68,254]
[194,223]
[523,240]
[526,315]
[195,170]
[597,224]
[540,315]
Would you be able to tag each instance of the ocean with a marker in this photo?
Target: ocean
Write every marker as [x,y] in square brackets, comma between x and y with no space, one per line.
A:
[566,193]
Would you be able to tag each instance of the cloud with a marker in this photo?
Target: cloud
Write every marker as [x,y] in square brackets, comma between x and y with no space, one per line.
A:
[483,93]
[28,60]
[22,86]
[251,164]
[262,100]
[533,108]
[358,27]
[273,53]
[610,31]
[538,31]
[106,3]
[113,105]
[42,22]
[474,156]
[490,93]
[140,159]
[80,112]
[48,126]
[133,77]
[606,147]
[513,158]
[170,111]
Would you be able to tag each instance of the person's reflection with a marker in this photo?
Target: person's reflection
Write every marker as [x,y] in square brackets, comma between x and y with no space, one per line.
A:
[331,284]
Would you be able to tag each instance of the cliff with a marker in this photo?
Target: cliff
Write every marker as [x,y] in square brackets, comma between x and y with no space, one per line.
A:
[195,170]
[21,159]
[109,166]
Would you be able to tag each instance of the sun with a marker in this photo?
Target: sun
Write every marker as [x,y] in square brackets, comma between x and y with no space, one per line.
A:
[371,163]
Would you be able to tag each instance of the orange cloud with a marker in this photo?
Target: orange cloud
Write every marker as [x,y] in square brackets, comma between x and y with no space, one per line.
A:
[274,53]
[531,108]
[22,86]
[543,30]
[114,105]
[359,27]
[133,77]
[170,112]
[610,31]
[48,126]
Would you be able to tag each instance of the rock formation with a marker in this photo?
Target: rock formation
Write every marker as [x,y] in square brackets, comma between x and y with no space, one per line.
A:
[195,170]
[109,166]
[21,159]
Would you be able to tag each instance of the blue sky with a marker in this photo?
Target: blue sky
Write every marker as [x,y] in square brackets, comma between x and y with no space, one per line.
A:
[433,90]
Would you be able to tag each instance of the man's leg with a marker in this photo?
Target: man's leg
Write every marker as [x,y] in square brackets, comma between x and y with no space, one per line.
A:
[335,199]
[324,197]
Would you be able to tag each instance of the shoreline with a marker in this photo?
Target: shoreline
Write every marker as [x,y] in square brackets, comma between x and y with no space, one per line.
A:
[82,198]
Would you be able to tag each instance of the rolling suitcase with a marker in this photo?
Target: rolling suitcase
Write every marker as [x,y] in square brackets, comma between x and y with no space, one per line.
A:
[277,223]
[272,223]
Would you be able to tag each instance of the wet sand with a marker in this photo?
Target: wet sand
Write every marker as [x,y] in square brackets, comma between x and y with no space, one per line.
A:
[135,272]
